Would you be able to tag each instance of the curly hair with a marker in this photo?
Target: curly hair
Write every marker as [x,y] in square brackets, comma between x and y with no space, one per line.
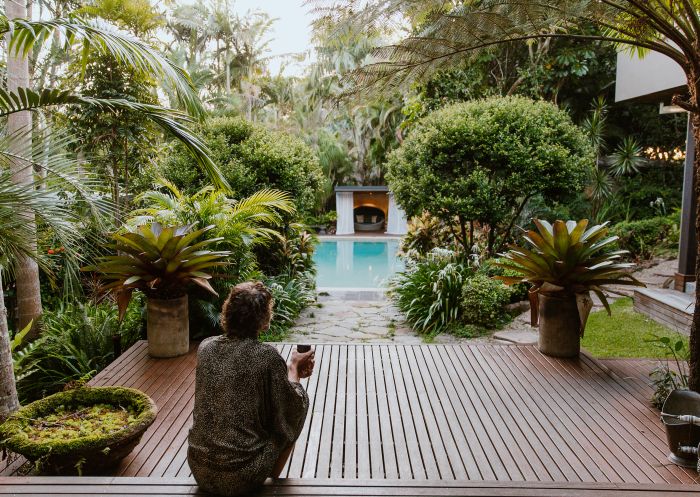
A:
[247,310]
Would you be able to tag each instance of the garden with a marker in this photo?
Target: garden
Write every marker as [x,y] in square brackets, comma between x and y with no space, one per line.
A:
[152,159]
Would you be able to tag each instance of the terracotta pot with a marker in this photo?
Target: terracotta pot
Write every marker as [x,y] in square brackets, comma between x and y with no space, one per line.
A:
[168,327]
[560,325]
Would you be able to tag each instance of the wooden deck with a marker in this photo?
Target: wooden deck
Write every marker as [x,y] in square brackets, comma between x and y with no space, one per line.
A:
[135,487]
[434,412]
[668,307]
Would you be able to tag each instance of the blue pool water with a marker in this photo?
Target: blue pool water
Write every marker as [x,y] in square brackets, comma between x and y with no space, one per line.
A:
[356,264]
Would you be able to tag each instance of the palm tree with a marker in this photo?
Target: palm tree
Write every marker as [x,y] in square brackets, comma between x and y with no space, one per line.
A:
[19,99]
[248,220]
[53,202]
[446,34]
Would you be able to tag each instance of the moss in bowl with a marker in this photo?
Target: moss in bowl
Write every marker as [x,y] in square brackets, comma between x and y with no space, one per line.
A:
[82,431]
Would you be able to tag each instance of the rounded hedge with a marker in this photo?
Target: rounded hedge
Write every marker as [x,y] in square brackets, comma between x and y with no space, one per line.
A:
[15,439]
[482,160]
[250,157]
[483,301]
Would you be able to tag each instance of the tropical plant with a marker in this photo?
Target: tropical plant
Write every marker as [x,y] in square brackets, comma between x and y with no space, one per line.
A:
[426,232]
[483,302]
[671,374]
[564,262]
[77,341]
[291,294]
[161,261]
[54,204]
[249,220]
[481,162]
[567,257]
[429,291]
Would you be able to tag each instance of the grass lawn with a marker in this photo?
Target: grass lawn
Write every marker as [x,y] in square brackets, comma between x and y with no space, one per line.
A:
[623,334]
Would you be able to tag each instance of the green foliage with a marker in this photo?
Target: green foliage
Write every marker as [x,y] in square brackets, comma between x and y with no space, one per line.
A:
[251,157]
[76,342]
[518,291]
[160,261]
[568,257]
[118,145]
[482,161]
[292,294]
[429,291]
[426,232]
[291,252]
[483,301]
[647,238]
[671,374]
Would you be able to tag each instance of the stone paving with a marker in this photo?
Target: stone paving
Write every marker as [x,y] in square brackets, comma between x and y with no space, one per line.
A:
[341,320]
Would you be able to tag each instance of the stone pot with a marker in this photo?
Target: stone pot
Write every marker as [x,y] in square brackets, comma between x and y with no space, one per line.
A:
[93,454]
[560,325]
[168,327]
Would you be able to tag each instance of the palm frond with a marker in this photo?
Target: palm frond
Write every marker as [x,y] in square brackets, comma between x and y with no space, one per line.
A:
[446,34]
[171,121]
[98,35]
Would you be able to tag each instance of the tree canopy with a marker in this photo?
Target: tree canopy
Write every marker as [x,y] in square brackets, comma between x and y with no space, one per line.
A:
[482,161]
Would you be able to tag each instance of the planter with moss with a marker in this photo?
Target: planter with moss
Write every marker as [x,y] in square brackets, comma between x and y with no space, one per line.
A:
[82,431]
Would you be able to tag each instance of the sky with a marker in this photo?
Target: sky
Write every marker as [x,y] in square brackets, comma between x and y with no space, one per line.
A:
[291,32]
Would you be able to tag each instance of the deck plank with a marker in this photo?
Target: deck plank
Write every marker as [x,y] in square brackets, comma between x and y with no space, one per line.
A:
[384,413]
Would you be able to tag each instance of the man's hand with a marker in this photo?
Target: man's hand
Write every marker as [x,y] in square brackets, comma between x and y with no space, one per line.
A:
[301,365]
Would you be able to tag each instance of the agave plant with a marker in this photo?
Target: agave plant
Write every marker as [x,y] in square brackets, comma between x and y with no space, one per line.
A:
[568,257]
[160,261]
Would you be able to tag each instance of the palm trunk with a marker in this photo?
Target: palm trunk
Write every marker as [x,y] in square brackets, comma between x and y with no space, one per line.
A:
[8,390]
[27,273]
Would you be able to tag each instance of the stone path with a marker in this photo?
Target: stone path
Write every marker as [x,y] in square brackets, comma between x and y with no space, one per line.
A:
[342,320]
[362,321]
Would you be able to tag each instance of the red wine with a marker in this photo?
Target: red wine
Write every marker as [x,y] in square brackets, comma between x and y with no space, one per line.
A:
[303,348]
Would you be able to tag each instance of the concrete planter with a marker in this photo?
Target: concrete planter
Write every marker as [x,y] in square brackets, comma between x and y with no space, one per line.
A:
[560,325]
[168,327]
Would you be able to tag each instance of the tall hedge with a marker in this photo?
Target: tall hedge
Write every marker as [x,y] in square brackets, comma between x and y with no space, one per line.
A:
[480,162]
[251,157]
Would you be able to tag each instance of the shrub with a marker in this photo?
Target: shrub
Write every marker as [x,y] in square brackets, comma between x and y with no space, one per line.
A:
[76,343]
[425,232]
[483,301]
[517,292]
[647,238]
[481,162]
[251,157]
[292,294]
[429,292]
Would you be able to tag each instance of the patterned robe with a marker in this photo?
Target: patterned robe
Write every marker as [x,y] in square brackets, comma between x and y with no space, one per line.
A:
[246,412]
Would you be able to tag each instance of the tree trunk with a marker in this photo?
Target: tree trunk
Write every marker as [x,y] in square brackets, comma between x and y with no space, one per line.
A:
[8,391]
[20,123]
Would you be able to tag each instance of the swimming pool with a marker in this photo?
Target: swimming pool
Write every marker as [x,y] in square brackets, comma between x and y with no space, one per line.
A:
[356,263]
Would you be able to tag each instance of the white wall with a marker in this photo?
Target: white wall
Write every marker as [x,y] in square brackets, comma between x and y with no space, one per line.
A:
[652,74]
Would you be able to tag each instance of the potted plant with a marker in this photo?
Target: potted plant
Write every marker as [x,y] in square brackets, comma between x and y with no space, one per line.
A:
[564,262]
[85,430]
[161,262]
